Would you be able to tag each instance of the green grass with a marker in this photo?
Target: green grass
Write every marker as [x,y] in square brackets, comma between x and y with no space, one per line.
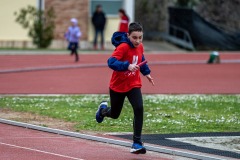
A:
[163,113]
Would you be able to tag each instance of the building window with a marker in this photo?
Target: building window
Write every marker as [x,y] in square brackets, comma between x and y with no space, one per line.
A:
[110,7]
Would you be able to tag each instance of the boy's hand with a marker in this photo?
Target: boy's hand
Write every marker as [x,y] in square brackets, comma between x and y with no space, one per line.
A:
[133,67]
[150,79]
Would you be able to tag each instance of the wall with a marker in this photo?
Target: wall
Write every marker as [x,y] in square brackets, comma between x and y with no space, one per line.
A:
[11,33]
[65,10]
[9,29]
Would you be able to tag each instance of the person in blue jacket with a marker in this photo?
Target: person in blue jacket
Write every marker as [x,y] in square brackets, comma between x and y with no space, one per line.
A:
[73,35]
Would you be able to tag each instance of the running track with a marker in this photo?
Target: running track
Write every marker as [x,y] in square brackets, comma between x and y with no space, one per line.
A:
[173,74]
[58,74]
[18,143]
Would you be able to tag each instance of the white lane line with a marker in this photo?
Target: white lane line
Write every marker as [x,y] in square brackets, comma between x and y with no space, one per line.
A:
[36,150]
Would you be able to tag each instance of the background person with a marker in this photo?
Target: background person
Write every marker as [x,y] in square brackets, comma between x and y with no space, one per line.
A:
[98,21]
[73,35]
[123,26]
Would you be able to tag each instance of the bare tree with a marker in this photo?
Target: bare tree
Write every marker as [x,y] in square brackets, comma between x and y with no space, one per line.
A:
[152,14]
[222,13]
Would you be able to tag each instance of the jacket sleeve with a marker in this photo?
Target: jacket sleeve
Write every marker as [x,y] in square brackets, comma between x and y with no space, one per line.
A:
[144,69]
[79,33]
[117,65]
[66,35]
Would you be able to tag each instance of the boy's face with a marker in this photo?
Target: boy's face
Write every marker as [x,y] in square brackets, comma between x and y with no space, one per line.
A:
[136,38]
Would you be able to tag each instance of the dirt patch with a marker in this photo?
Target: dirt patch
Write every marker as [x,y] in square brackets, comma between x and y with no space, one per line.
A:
[36,120]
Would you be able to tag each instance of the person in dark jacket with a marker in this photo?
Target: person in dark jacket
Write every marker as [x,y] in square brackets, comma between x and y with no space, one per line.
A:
[99,21]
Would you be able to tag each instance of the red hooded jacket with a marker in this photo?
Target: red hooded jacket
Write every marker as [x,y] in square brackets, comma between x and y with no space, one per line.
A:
[124,81]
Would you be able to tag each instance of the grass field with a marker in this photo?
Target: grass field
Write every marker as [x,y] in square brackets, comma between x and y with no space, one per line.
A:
[163,113]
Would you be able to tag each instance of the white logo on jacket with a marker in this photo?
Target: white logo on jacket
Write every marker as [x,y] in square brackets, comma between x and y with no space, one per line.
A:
[134,61]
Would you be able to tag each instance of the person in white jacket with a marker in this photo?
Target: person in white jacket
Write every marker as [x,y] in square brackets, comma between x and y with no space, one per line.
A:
[73,35]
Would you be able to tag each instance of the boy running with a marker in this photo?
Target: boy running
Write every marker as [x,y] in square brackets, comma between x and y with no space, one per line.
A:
[126,81]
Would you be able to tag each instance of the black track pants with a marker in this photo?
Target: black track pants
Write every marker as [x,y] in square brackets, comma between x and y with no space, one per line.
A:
[135,98]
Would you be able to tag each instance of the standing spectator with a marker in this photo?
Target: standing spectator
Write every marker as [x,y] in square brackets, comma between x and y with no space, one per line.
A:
[123,27]
[72,36]
[99,21]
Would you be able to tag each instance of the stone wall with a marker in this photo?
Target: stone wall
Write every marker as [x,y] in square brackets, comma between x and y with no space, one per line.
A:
[67,9]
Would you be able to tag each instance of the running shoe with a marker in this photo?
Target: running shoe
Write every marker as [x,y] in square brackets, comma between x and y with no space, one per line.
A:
[100,118]
[138,149]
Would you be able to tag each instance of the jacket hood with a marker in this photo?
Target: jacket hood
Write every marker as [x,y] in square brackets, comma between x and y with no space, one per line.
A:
[121,37]
[74,21]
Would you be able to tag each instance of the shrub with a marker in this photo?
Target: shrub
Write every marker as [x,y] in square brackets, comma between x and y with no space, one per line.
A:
[40,24]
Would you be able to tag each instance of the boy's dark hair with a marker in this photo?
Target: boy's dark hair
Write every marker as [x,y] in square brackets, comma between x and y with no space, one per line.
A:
[135,26]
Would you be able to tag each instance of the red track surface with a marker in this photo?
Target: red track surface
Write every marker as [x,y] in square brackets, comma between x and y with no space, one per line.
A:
[18,143]
[196,78]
